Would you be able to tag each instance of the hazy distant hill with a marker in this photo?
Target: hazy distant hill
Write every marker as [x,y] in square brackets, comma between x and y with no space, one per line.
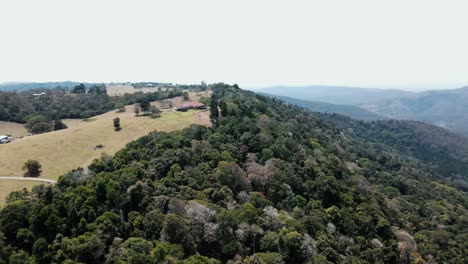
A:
[28,86]
[336,94]
[348,110]
[445,108]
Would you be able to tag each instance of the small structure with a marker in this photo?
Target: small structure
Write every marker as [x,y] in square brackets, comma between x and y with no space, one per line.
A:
[191,105]
[39,94]
[5,139]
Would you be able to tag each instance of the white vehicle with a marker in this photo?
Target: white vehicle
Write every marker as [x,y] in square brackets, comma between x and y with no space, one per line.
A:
[5,139]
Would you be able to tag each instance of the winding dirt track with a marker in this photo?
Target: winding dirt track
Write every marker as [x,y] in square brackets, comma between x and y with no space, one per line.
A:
[27,179]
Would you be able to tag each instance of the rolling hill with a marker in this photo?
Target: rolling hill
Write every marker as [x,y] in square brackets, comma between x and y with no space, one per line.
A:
[61,151]
[23,86]
[348,110]
[336,94]
[444,108]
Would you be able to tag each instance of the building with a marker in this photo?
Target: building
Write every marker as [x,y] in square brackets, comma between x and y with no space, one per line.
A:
[5,139]
[191,105]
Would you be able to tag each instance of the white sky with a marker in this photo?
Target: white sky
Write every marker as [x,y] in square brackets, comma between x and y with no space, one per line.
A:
[401,44]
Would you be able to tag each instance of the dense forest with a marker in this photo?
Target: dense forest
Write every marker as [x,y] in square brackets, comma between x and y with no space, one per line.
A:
[267,183]
[78,102]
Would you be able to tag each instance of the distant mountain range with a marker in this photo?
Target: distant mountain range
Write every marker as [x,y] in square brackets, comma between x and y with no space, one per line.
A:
[444,108]
[336,94]
[20,86]
[321,107]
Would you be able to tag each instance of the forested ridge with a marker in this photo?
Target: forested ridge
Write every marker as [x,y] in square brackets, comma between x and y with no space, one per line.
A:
[267,183]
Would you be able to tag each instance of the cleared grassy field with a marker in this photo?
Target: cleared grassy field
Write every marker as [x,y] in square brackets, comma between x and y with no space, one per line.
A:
[14,129]
[121,89]
[63,150]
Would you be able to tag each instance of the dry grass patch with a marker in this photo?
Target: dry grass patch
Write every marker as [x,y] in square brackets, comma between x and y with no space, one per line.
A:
[15,129]
[121,89]
[63,150]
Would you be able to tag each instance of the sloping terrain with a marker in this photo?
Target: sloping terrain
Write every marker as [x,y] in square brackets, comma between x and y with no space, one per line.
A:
[61,151]
[348,110]
[30,86]
[268,183]
[121,89]
[14,129]
[444,108]
[336,94]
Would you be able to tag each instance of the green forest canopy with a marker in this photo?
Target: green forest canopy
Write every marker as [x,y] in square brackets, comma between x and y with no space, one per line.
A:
[268,183]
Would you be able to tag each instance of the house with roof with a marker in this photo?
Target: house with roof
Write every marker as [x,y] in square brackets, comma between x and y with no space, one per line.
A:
[191,105]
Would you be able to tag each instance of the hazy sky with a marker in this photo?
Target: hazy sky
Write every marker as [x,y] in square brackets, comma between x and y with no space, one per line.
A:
[402,44]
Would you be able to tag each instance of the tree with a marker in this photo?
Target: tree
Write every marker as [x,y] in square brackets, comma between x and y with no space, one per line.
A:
[33,120]
[32,168]
[98,89]
[117,124]
[155,112]
[120,107]
[19,257]
[40,128]
[214,113]
[145,106]
[79,89]
[58,125]
[185,96]
[137,109]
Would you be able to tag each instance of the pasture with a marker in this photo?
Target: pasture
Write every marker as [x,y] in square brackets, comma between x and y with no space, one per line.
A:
[61,151]
[121,89]
[14,129]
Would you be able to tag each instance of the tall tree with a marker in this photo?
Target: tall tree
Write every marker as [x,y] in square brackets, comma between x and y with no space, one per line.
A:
[79,89]
[137,109]
[214,113]
[117,124]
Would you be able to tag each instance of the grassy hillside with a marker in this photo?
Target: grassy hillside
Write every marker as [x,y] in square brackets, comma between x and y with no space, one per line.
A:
[12,128]
[348,110]
[121,89]
[64,150]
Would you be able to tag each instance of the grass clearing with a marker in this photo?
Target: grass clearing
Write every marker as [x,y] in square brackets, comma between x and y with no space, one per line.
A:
[15,129]
[63,150]
[121,89]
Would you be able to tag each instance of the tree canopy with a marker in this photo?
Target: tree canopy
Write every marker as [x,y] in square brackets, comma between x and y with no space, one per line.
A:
[269,183]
